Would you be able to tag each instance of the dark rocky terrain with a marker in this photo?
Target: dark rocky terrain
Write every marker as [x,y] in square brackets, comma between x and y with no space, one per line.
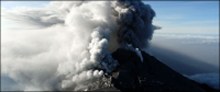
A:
[149,75]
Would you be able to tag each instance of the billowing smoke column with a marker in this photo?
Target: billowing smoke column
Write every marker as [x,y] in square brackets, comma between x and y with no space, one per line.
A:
[68,45]
[135,20]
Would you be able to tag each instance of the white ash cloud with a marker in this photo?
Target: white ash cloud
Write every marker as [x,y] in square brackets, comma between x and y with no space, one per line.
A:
[69,44]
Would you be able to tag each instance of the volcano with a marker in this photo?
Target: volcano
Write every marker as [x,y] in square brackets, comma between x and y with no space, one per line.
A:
[86,45]
[146,73]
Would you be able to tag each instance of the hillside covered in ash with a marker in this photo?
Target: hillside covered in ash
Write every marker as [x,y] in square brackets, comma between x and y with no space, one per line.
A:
[146,73]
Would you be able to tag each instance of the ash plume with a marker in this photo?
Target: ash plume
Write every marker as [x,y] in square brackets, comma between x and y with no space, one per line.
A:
[68,44]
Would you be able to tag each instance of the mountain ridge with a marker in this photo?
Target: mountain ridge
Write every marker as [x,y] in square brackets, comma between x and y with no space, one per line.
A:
[151,75]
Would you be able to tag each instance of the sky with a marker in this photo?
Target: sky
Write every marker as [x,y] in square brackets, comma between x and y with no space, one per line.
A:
[187,16]
[173,16]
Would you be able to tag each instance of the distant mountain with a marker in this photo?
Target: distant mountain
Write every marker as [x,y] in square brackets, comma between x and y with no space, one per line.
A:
[149,74]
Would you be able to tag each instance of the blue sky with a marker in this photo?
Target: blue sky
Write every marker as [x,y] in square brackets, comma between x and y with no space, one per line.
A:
[172,16]
[187,16]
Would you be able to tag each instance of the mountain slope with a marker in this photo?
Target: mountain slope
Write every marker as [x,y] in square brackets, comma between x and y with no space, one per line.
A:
[149,75]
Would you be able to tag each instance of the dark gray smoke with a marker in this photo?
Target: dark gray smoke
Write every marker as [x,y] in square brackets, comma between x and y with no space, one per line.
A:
[135,20]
